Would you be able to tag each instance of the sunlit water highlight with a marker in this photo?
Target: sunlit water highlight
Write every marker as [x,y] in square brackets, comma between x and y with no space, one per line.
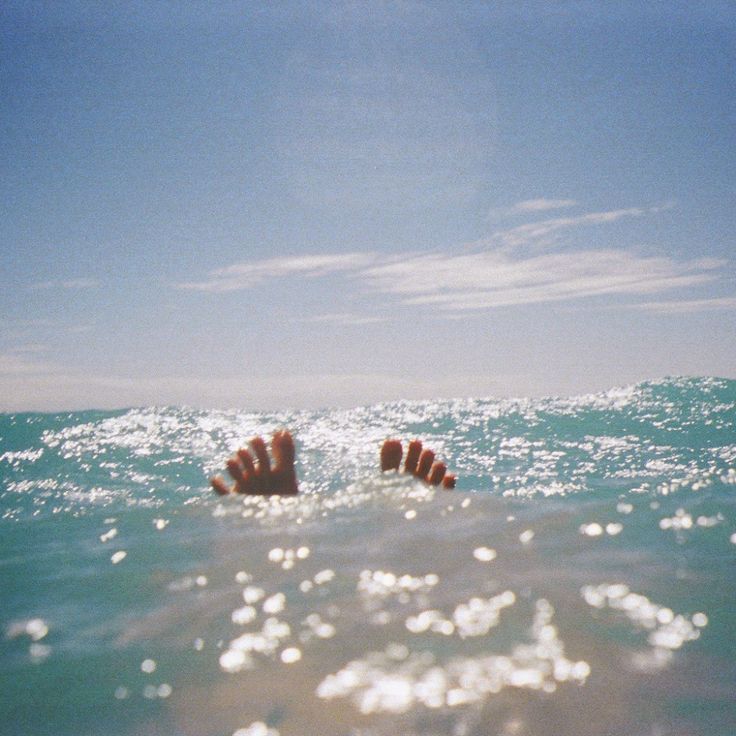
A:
[580,580]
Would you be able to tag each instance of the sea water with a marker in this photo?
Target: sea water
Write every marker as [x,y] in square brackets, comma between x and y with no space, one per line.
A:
[579,580]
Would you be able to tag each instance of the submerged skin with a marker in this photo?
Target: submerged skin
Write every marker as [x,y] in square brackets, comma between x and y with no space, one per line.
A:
[259,477]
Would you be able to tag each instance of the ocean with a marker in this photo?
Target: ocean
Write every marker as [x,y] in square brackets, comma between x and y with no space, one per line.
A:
[580,580]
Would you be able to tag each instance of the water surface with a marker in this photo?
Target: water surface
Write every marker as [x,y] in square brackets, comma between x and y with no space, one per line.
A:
[579,580]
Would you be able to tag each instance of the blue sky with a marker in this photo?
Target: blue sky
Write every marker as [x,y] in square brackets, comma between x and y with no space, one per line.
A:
[271,205]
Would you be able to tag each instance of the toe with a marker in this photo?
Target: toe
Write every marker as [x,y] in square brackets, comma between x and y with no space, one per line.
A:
[282,449]
[412,456]
[247,461]
[235,469]
[425,463]
[219,486]
[436,474]
[391,455]
[260,451]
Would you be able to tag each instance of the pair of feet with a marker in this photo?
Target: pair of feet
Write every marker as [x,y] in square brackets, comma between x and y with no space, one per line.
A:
[254,474]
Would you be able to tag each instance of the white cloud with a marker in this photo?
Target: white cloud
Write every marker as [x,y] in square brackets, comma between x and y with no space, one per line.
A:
[23,324]
[538,205]
[15,363]
[66,284]
[29,348]
[497,279]
[345,319]
[504,270]
[536,233]
[24,331]
[530,206]
[687,305]
[246,275]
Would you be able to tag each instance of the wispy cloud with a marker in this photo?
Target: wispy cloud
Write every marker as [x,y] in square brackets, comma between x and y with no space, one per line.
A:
[687,305]
[542,232]
[530,206]
[246,275]
[22,324]
[26,348]
[29,330]
[16,362]
[497,279]
[345,319]
[504,270]
[66,284]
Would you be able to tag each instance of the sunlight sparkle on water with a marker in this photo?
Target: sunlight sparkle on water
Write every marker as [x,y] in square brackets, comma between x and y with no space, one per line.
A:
[108,535]
[378,683]
[35,628]
[257,728]
[291,655]
[484,554]
[667,630]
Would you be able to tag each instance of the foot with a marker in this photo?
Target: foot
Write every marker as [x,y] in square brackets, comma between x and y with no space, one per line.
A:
[418,463]
[261,479]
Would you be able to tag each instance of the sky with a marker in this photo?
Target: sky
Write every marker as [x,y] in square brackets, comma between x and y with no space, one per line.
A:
[316,204]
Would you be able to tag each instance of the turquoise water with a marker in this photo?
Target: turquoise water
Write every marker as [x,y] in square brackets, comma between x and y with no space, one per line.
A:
[579,580]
